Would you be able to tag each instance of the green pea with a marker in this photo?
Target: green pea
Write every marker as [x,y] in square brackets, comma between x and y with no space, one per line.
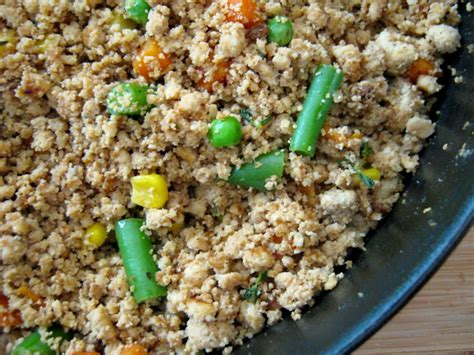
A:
[280,30]
[36,344]
[224,132]
[128,99]
[137,10]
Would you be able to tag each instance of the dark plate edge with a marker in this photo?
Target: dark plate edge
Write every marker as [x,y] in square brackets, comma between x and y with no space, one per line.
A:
[409,289]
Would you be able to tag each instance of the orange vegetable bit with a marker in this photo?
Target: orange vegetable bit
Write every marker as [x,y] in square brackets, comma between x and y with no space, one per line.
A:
[420,67]
[134,349]
[332,135]
[8,318]
[243,11]
[336,137]
[86,353]
[151,61]
[218,75]
[3,300]
[26,292]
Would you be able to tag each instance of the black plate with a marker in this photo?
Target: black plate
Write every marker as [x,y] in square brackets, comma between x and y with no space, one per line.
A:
[409,245]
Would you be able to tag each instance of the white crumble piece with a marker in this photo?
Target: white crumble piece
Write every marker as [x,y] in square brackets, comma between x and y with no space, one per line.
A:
[399,52]
[232,41]
[427,210]
[464,152]
[459,79]
[428,84]
[445,38]
[420,126]
[296,314]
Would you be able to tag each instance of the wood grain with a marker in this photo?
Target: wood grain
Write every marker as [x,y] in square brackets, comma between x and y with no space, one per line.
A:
[440,318]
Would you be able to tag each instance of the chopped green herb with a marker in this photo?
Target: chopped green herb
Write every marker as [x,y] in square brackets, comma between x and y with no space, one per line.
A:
[246,115]
[216,213]
[264,121]
[364,152]
[365,179]
[253,292]
[344,161]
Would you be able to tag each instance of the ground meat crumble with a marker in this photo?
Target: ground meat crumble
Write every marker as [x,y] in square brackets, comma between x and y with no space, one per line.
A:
[66,163]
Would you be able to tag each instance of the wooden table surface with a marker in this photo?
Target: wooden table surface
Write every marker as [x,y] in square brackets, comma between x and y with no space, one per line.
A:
[440,318]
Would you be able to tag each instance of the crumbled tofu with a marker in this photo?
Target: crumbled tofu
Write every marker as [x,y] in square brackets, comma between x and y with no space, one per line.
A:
[336,200]
[349,58]
[445,38]
[200,310]
[251,315]
[158,19]
[101,324]
[66,161]
[232,40]
[229,281]
[428,84]
[258,259]
[399,53]
[208,335]
[420,126]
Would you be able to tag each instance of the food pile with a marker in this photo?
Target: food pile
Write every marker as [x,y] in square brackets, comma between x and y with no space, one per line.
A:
[175,175]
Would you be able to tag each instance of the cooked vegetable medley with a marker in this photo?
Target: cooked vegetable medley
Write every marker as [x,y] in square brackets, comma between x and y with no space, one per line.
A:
[174,175]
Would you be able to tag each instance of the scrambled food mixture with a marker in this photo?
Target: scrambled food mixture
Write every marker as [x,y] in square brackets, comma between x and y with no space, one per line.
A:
[175,174]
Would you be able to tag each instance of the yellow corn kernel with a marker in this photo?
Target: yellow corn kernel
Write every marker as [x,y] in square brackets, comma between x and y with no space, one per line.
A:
[95,235]
[372,173]
[149,191]
[8,42]
[122,22]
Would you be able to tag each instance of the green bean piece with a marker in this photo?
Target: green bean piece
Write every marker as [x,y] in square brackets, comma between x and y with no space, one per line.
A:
[225,132]
[128,99]
[135,249]
[317,104]
[255,174]
[137,10]
[280,30]
[32,344]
